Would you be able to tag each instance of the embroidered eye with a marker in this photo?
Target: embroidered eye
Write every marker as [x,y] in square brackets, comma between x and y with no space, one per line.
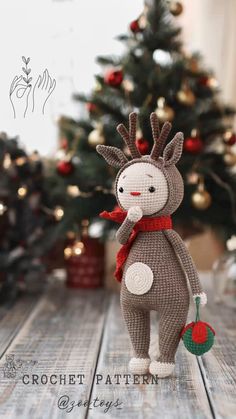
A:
[151,189]
[121,189]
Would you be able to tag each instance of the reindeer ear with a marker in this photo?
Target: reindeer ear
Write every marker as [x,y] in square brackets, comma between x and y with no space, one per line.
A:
[173,150]
[112,155]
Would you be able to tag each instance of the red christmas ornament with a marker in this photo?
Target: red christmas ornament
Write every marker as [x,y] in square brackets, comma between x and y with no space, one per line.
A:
[114,78]
[65,168]
[64,143]
[193,145]
[203,81]
[142,145]
[134,26]
[230,138]
[91,107]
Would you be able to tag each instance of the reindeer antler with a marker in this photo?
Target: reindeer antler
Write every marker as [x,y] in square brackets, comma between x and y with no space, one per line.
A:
[130,137]
[158,138]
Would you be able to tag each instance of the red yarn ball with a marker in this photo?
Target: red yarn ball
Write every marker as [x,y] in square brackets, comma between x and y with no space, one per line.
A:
[193,145]
[142,145]
[114,78]
[134,26]
[64,168]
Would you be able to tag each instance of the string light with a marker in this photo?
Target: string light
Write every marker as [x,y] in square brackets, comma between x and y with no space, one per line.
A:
[67,252]
[3,208]
[73,191]
[58,213]
[22,192]
[20,161]
[7,161]
[78,248]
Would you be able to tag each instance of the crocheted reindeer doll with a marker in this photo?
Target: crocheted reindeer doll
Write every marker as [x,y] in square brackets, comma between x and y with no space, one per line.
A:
[153,264]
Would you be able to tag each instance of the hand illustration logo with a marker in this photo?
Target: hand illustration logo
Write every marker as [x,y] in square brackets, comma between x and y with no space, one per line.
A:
[43,88]
[19,96]
[21,88]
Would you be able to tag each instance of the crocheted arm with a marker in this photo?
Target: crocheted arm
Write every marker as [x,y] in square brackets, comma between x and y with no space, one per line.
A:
[134,214]
[187,263]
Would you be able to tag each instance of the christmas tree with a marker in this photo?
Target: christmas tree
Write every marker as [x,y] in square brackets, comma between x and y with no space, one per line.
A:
[27,219]
[153,74]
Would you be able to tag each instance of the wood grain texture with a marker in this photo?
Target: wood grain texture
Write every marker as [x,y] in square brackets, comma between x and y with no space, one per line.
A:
[219,365]
[13,318]
[82,332]
[63,335]
[182,396]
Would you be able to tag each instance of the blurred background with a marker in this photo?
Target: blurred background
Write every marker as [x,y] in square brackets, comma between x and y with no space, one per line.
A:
[177,58]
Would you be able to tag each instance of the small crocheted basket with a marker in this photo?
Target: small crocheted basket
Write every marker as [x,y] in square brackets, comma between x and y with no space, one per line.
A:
[198,336]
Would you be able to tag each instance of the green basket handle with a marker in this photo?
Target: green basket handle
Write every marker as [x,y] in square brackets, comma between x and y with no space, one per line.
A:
[198,299]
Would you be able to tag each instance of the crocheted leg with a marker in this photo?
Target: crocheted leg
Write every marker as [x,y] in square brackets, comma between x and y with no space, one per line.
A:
[171,323]
[138,325]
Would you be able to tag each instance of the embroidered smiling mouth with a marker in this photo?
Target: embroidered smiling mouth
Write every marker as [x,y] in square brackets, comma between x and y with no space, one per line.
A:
[135,193]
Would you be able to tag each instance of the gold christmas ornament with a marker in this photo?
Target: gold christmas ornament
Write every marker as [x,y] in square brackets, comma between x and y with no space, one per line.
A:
[96,136]
[73,190]
[186,96]
[98,87]
[164,112]
[58,213]
[230,159]
[22,192]
[212,83]
[20,161]
[201,199]
[7,161]
[128,86]
[176,8]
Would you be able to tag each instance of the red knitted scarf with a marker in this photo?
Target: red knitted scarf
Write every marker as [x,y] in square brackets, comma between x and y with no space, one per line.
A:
[145,224]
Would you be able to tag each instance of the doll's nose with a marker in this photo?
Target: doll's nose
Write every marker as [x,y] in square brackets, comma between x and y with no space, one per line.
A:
[135,193]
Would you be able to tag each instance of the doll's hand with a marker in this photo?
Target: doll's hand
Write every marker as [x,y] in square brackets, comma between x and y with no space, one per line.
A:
[135,214]
[203,298]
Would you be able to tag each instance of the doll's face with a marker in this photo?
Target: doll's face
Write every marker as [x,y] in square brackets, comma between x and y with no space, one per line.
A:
[144,185]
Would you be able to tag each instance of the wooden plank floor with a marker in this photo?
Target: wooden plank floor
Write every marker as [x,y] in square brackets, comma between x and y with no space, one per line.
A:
[79,336]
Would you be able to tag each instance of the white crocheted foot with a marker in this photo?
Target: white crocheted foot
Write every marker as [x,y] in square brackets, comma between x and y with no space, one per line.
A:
[139,365]
[161,369]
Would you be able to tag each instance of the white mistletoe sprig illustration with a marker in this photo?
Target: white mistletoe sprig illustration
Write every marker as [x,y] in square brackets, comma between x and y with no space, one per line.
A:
[21,87]
[26,70]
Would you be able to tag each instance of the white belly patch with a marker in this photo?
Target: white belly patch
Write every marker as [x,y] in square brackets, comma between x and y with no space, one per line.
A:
[139,278]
